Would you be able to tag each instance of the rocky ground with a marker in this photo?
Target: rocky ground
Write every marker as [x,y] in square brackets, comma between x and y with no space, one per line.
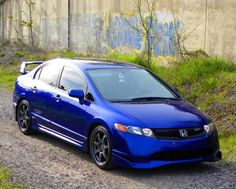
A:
[41,161]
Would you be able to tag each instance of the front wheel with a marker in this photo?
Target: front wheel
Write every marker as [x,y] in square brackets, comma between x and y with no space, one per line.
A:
[100,148]
[24,117]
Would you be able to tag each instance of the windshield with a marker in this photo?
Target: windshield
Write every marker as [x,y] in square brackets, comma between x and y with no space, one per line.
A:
[129,85]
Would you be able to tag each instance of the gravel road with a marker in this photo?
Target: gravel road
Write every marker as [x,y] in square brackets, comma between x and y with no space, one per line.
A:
[41,161]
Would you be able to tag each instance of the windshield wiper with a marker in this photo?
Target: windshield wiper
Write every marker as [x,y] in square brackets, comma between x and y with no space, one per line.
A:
[142,99]
[153,98]
[119,101]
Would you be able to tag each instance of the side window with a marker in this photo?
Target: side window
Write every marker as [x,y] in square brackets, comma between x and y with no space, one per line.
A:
[49,74]
[71,79]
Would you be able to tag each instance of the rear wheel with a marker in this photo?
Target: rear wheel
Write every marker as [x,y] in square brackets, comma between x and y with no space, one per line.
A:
[24,117]
[100,148]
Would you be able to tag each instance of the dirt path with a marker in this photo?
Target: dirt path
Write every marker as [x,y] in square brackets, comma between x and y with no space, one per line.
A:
[42,161]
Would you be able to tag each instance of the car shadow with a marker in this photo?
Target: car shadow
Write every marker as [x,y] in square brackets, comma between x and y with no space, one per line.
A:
[180,169]
[172,176]
[66,146]
[145,176]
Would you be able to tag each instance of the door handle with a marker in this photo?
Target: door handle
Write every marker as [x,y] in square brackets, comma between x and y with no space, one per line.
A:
[57,97]
[34,89]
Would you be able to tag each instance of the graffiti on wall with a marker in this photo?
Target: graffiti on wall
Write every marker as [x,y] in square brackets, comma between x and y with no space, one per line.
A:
[121,33]
[102,33]
[164,44]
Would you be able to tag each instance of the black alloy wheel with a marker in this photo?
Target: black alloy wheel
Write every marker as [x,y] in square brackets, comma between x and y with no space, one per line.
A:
[100,147]
[24,117]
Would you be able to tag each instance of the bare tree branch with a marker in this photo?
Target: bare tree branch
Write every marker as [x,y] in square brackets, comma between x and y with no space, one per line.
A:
[180,37]
[146,23]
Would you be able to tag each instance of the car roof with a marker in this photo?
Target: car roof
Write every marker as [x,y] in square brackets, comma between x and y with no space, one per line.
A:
[96,63]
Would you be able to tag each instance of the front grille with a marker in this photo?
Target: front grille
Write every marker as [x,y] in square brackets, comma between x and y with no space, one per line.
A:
[181,155]
[174,134]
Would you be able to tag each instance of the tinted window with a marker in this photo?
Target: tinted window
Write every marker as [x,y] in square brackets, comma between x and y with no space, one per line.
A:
[128,84]
[71,79]
[49,74]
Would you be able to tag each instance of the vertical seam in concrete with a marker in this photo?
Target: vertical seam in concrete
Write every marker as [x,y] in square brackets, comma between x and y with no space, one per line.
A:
[1,19]
[3,22]
[206,18]
[69,24]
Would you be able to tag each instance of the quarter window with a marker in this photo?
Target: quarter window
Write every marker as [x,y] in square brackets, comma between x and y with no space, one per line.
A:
[71,79]
[49,74]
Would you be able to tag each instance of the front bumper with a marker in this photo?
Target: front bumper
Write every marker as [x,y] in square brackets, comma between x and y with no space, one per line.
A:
[145,152]
[14,110]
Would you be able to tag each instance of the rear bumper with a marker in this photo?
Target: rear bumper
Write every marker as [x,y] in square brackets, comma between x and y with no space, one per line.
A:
[152,152]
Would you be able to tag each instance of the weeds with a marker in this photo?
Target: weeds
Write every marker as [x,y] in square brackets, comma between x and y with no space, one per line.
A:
[65,53]
[21,54]
[5,179]
[228,146]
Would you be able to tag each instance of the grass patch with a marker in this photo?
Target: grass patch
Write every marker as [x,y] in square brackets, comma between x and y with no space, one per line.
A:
[202,81]
[21,54]
[66,53]
[134,58]
[228,147]
[8,76]
[5,179]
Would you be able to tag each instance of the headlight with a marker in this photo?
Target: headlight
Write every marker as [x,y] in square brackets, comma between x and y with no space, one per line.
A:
[209,128]
[147,132]
[134,130]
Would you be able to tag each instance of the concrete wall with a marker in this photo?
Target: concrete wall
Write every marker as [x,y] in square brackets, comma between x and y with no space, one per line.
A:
[101,26]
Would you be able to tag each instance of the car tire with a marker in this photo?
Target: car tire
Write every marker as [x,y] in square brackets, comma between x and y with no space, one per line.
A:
[24,117]
[101,148]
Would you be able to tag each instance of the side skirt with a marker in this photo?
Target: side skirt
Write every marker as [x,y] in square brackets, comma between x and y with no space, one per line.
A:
[60,136]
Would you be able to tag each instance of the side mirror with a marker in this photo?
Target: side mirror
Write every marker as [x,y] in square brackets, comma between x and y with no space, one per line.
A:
[77,94]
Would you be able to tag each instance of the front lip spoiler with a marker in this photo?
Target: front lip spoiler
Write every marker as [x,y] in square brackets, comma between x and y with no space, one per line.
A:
[14,110]
[217,156]
[125,162]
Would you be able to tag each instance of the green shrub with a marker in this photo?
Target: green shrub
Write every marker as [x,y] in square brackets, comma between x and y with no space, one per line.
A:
[2,54]
[65,53]
[42,57]
[134,58]
[21,54]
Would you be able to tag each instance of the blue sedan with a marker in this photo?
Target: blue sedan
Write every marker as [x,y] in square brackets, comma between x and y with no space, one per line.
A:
[122,114]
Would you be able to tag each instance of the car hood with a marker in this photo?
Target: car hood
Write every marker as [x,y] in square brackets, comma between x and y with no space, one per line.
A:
[164,114]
